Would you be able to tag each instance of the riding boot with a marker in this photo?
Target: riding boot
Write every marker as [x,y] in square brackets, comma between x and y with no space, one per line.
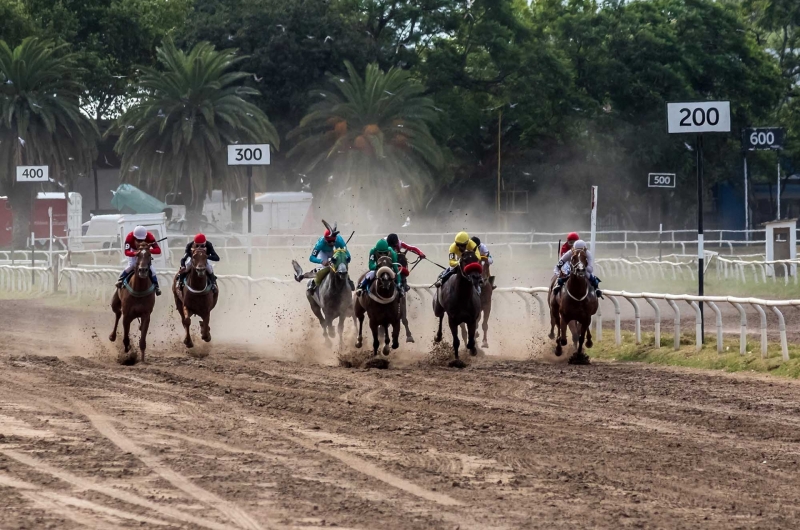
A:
[154,279]
[120,280]
[312,286]
[443,277]
[559,285]
[213,279]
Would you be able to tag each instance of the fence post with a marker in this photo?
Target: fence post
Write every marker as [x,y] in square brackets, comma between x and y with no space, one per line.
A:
[763,316]
[743,328]
[617,331]
[637,318]
[674,307]
[782,328]
[698,326]
[718,315]
[658,320]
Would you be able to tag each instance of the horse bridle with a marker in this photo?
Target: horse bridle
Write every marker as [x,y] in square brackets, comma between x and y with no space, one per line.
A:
[566,287]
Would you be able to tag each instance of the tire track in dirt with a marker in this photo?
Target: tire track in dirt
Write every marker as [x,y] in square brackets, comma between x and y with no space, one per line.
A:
[231,511]
[111,491]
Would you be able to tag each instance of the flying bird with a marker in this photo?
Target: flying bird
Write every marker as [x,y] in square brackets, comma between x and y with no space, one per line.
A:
[310,37]
[281,26]
[21,141]
[258,79]
[106,159]
[407,223]
[230,37]
[130,127]
[341,80]
[159,151]
[133,168]
[328,38]
[404,185]
[330,179]
[512,105]
[390,93]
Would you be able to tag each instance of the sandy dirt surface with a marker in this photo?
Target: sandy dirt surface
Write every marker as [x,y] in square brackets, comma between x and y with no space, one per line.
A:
[243,439]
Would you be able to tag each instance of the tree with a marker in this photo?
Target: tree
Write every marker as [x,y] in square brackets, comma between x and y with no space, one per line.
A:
[15,23]
[174,138]
[372,136]
[41,122]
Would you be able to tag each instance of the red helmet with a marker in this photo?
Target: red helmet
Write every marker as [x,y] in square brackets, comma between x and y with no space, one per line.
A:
[328,237]
[573,236]
[200,239]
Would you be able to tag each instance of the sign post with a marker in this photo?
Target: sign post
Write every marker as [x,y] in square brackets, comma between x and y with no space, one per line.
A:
[594,222]
[33,174]
[699,117]
[249,155]
[761,139]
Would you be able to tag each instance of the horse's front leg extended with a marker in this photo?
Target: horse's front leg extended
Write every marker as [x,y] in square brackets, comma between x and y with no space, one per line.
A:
[143,327]
[485,327]
[375,342]
[358,315]
[115,306]
[396,334]
[205,327]
[187,324]
[471,326]
[589,342]
[438,337]
[126,330]
[386,339]
[454,332]
[322,322]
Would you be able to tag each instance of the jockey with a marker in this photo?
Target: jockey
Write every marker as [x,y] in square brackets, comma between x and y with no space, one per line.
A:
[199,241]
[132,241]
[571,239]
[399,247]
[594,281]
[381,249]
[484,250]
[462,243]
[321,254]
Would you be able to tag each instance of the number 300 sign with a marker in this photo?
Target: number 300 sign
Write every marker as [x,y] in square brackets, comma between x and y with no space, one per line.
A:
[248,155]
[699,116]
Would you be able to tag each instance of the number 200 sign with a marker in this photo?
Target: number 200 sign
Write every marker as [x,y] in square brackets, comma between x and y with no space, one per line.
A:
[248,155]
[699,117]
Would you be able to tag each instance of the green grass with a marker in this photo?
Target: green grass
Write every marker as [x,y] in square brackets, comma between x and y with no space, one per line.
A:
[707,358]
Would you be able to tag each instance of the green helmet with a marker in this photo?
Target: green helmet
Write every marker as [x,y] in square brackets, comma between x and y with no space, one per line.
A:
[382,246]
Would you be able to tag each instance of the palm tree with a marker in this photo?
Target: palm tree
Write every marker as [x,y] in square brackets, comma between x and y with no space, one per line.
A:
[174,137]
[41,122]
[372,136]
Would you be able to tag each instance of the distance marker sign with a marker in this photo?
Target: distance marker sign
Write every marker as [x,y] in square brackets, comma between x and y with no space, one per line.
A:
[661,180]
[763,138]
[32,174]
[699,117]
[248,155]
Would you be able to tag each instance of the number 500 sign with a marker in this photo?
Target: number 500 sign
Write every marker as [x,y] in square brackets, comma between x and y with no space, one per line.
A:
[699,117]
[248,155]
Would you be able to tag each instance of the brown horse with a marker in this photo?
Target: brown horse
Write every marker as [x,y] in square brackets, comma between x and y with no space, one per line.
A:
[135,299]
[381,304]
[459,297]
[195,296]
[487,288]
[403,260]
[576,302]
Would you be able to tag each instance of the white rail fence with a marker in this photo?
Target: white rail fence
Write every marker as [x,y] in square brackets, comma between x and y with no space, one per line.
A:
[25,279]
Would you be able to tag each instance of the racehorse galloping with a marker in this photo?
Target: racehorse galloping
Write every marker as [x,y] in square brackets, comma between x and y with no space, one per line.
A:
[331,299]
[135,299]
[380,303]
[403,260]
[195,296]
[460,298]
[487,288]
[577,302]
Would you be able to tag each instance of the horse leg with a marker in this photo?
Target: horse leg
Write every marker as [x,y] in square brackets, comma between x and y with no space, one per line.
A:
[341,330]
[395,334]
[454,331]
[126,329]
[589,342]
[318,313]
[187,323]
[464,335]
[471,326]
[485,327]
[205,327]
[438,337]
[404,320]
[386,348]
[116,307]
[375,342]
[358,315]
[143,327]
[563,325]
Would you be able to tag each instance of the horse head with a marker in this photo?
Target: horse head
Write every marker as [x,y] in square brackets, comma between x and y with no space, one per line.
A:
[385,274]
[471,269]
[579,262]
[143,260]
[200,260]
[339,263]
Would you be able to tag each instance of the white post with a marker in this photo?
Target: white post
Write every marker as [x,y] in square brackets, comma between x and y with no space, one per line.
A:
[594,222]
[50,253]
[746,208]
[779,191]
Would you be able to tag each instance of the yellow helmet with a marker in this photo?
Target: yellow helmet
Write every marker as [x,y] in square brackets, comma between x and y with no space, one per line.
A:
[462,238]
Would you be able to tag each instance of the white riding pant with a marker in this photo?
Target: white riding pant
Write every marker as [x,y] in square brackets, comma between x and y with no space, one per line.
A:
[324,256]
[132,265]
[370,276]
[209,266]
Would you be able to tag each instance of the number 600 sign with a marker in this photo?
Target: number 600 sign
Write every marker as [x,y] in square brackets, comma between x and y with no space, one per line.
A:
[699,116]
[248,155]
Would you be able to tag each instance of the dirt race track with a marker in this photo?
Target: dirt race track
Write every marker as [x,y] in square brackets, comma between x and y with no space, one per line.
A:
[239,441]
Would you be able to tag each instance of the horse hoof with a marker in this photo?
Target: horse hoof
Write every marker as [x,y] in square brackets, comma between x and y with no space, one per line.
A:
[207,338]
[457,363]
[473,351]
[558,350]
[358,344]
[112,337]
[395,345]
[437,338]
[409,339]
[589,343]
[485,345]
[551,335]
[188,343]
[563,341]
[332,333]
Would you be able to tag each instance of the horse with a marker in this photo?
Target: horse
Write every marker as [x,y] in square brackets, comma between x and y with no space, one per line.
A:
[403,260]
[135,299]
[576,302]
[460,298]
[332,298]
[381,304]
[487,288]
[554,315]
[195,297]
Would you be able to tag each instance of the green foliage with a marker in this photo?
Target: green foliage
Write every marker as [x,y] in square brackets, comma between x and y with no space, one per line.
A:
[372,135]
[174,137]
[40,120]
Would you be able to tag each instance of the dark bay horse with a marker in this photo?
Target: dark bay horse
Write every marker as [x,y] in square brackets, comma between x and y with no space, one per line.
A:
[195,297]
[487,288]
[403,260]
[135,299]
[460,298]
[576,302]
[382,306]
[332,299]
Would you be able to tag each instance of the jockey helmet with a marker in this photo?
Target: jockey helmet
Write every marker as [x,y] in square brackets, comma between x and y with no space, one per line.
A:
[573,236]
[462,238]
[580,244]
[382,246]
[140,232]
[393,241]
[200,239]
[330,238]
[476,240]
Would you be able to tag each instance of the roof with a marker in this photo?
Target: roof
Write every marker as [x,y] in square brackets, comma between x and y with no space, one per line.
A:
[130,199]
[283,196]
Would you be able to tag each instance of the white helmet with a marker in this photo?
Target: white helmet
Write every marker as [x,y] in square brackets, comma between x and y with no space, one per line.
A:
[140,232]
[579,244]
